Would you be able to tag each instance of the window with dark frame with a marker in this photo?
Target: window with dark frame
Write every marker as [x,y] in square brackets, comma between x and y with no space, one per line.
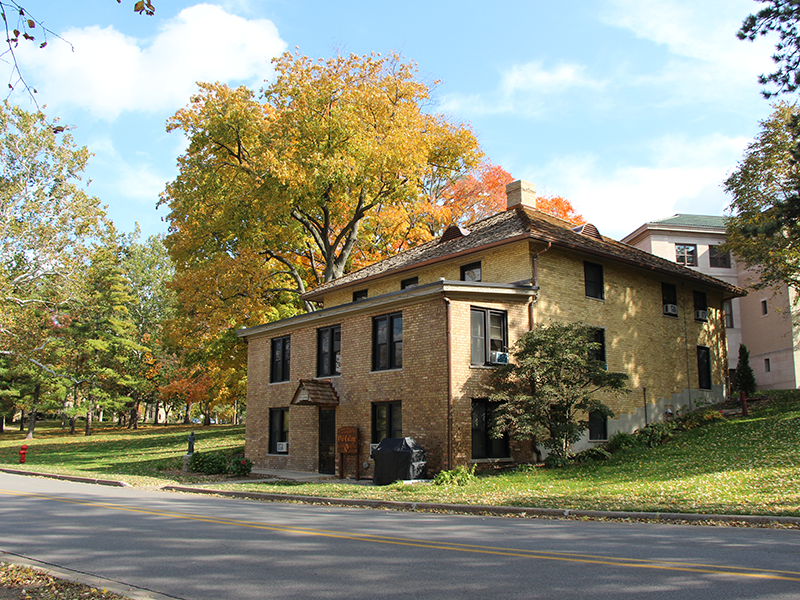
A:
[471,272]
[488,334]
[387,421]
[700,306]
[764,308]
[409,283]
[329,351]
[598,426]
[717,259]
[767,365]
[278,429]
[704,367]
[727,307]
[599,353]
[483,444]
[669,299]
[360,295]
[593,279]
[686,254]
[281,352]
[387,342]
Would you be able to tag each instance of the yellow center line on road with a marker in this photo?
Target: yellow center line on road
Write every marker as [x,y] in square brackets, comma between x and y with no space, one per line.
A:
[640,563]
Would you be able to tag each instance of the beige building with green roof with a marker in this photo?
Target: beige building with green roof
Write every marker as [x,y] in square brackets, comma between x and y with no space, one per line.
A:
[766,320]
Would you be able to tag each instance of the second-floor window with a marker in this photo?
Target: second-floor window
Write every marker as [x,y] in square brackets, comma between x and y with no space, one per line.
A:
[329,351]
[686,254]
[387,342]
[281,350]
[488,335]
[669,299]
[593,280]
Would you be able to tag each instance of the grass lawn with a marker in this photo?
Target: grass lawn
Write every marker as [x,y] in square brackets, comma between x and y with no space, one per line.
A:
[739,466]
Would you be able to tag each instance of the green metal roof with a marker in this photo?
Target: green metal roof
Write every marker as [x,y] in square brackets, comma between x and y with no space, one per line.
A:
[708,221]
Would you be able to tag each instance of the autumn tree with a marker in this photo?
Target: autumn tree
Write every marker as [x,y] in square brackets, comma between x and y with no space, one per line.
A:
[764,227]
[548,391]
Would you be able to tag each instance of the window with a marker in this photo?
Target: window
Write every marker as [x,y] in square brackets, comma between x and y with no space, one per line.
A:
[488,334]
[700,306]
[329,351]
[717,259]
[409,283]
[669,299]
[278,430]
[359,295]
[387,342]
[483,444]
[593,278]
[727,308]
[767,365]
[471,272]
[704,367]
[686,254]
[599,353]
[598,426]
[764,308]
[281,348]
[387,421]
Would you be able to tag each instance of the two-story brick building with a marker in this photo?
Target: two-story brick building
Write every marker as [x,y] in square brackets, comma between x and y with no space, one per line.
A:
[403,346]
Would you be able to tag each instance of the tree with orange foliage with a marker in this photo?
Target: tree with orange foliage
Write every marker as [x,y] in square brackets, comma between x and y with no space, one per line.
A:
[559,207]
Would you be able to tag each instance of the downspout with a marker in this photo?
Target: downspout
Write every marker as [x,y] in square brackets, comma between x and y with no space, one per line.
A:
[449,385]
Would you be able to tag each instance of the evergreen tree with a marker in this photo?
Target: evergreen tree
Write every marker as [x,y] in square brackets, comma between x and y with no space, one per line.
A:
[745,380]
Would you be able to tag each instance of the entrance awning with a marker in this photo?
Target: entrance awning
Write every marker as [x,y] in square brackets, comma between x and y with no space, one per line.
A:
[315,392]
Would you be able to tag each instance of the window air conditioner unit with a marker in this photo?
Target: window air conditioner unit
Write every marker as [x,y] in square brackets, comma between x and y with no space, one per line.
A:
[372,448]
[498,358]
[670,309]
[282,446]
[701,315]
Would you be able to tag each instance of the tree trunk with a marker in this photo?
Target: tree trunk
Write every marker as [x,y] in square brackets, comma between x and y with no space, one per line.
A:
[88,430]
[155,413]
[134,419]
[34,411]
[72,421]
[22,419]
[186,419]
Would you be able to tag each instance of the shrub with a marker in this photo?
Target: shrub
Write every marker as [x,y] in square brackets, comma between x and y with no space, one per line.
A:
[241,466]
[698,418]
[596,453]
[655,434]
[556,461]
[622,440]
[210,463]
[459,476]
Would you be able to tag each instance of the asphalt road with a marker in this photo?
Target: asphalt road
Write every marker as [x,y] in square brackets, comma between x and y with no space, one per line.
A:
[202,547]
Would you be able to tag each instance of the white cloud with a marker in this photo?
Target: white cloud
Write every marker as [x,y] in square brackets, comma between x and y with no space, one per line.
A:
[533,77]
[109,73]
[683,175]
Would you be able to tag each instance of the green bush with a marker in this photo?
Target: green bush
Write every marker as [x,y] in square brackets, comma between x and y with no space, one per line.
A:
[459,476]
[210,463]
[622,440]
[241,466]
[655,434]
[699,418]
[596,453]
[556,461]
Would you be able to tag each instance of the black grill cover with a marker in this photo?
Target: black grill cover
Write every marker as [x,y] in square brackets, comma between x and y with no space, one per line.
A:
[399,459]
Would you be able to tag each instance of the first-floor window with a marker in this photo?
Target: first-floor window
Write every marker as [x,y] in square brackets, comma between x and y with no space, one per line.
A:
[767,365]
[488,335]
[704,367]
[669,298]
[387,421]
[483,444]
[598,426]
[387,342]
[278,430]
[599,351]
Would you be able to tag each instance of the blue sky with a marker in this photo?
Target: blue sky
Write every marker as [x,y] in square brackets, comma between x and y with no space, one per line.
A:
[632,109]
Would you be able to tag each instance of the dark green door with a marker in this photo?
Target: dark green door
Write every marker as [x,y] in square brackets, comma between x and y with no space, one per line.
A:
[327,440]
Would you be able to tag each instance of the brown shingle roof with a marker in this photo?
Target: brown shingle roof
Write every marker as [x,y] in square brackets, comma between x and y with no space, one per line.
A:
[318,392]
[519,223]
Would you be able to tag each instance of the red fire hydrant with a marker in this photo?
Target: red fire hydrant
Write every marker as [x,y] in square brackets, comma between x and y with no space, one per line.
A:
[22,452]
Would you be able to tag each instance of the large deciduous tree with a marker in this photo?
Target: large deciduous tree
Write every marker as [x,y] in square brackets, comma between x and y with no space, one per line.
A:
[548,391]
[764,227]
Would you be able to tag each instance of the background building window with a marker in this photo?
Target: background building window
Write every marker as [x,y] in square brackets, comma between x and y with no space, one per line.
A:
[488,333]
[278,429]
[598,426]
[717,259]
[387,342]
[483,444]
[686,254]
[669,299]
[764,308]
[727,307]
[767,365]
[704,367]
[387,421]
[471,272]
[329,351]
[409,283]
[593,279]
[281,350]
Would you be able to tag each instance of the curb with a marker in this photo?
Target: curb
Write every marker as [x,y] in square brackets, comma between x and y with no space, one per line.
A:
[109,482]
[481,509]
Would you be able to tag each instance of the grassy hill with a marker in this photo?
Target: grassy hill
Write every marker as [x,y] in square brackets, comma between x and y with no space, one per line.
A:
[735,466]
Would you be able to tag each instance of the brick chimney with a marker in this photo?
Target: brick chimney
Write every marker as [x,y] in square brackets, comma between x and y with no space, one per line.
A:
[520,192]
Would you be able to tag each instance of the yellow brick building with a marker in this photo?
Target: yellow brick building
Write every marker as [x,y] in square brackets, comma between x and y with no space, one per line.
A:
[403,347]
